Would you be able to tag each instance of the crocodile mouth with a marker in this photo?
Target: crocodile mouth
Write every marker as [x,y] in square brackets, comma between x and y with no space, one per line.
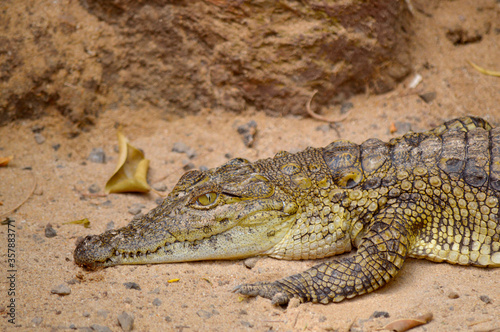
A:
[240,240]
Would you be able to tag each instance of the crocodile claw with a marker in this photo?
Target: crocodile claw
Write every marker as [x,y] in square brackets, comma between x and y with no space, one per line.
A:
[269,290]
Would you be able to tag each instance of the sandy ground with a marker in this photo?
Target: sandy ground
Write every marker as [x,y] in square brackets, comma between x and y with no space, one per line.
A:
[460,298]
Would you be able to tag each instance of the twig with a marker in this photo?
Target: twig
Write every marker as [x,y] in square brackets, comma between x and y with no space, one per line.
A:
[319,117]
[24,201]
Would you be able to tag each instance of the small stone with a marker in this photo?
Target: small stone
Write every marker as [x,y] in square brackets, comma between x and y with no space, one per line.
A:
[100,328]
[132,285]
[39,138]
[156,302]
[246,324]
[188,166]
[126,321]
[346,106]
[49,231]
[86,314]
[377,314]
[181,147]
[168,319]
[248,132]
[110,225]
[250,262]
[135,209]
[61,290]
[37,128]
[94,188]
[228,155]
[97,155]
[56,146]
[453,295]
[243,312]
[486,299]
[204,314]
[37,321]
[160,187]
[72,326]
[322,319]
[128,300]
[204,168]
[103,313]
[428,96]
[293,303]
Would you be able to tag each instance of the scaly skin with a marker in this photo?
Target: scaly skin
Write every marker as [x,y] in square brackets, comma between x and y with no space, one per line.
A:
[432,195]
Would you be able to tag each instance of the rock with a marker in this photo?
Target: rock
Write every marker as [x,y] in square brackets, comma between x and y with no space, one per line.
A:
[428,96]
[160,187]
[156,302]
[100,328]
[94,188]
[86,314]
[377,314]
[246,324]
[132,285]
[250,262]
[461,36]
[485,298]
[126,321]
[110,225]
[346,106]
[248,132]
[204,314]
[61,290]
[453,295]
[56,146]
[49,231]
[97,155]
[181,147]
[37,321]
[188,166]
[39,138]
[135,209]
[37,129]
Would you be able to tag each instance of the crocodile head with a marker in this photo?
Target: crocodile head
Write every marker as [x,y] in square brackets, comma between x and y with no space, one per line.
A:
[229,212]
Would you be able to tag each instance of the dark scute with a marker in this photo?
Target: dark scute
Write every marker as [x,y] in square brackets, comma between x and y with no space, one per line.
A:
[372,183]
[389,181]
[495,182]
[453,165]
[475,176]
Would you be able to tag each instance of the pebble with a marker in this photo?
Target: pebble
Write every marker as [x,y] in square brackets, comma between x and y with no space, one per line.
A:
[156,302]
[346,106]
[86,314]
[37,128]
[37,321]
[72,326]
[377,314]
[100,328]
[136,209]
[110,225]
[246,324]
[132,285]
[453,295]
[94,188]
[486,299]
[168,319]
[160,187]
[56,146]
[428,97]
[61,290]
[49,231]
[204,314]
[181,147]
[188,166]
[39,138]
[250,262]
[204,168]
[228,155]
[248,131]
[97,155]
[126,321]
[103,313]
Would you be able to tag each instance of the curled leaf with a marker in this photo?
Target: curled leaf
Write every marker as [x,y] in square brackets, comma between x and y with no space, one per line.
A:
[131,170]
[402,325]
[483,70]
[4,161]
[85,222]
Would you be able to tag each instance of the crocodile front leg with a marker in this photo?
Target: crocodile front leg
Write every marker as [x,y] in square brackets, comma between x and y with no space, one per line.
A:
[379,258]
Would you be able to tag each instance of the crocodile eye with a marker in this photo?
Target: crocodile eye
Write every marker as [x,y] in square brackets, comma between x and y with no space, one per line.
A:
[207,199]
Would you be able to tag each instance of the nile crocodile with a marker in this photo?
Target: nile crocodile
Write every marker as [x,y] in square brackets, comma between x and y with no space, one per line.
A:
[432,195]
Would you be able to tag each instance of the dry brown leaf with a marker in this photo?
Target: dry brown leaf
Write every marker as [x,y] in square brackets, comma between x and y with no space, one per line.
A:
[85,222]
[402,325]
[131,170]
[483,70]
[4,161]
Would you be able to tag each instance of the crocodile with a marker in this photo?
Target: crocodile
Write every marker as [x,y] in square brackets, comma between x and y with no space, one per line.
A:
[432,195]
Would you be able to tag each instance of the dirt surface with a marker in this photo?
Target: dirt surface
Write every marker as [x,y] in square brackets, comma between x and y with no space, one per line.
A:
[47,153]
